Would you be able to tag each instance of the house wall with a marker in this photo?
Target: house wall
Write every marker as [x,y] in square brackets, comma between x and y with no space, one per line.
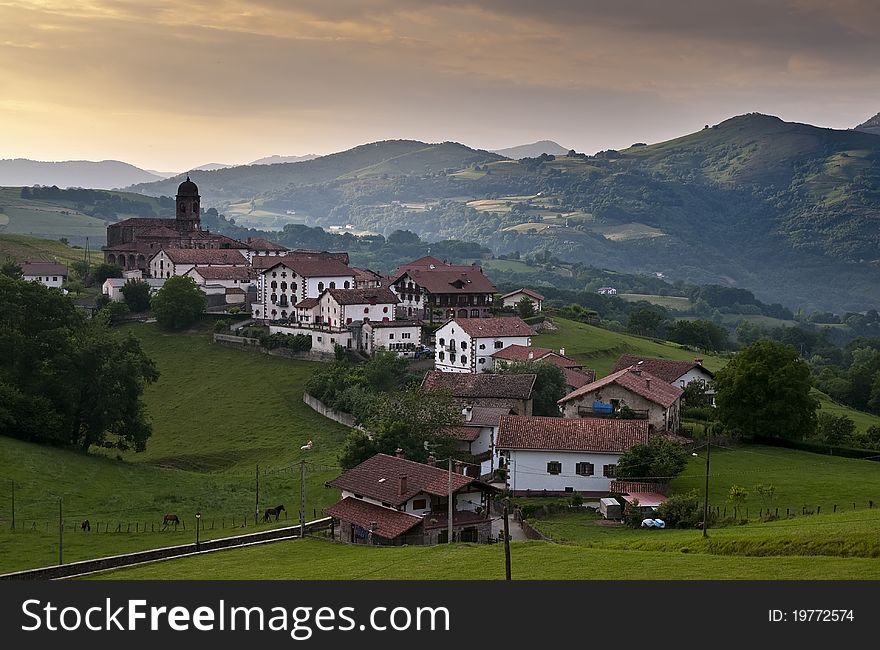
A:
[52,281]
[527,470]
[513,301]
[337,315]
[313,287]
[656,414]
[694,374]
[475,356]
[322,341]
[227,283]
[388,338]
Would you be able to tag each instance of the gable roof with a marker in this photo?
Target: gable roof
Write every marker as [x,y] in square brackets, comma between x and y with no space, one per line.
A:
[639,382]
[385,522]
[529,292]
[307,303]
[521,353]
[462,432]
[366,275]
[305,266]
[577,378]
[425,262]
[43,268]
[666,369]
[601,435]
[379,478]
[449,279]
[494,327]
[260,244]
[219,256]
[466,385]
[483,416]
[224,272]
[374,296]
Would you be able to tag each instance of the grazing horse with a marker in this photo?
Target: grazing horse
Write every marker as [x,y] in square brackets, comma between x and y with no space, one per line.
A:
[85,525]
[170,519]
[277,510]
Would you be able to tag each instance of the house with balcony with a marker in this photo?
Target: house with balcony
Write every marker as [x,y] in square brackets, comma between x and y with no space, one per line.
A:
[289,279]
[476,437]
[467,344]
[630,393]
[430,289]
[677,373]
[390,501]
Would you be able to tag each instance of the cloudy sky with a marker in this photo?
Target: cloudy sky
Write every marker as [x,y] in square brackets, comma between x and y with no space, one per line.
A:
[169,85]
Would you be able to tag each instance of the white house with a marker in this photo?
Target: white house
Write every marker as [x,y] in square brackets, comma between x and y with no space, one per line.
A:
[343,307]
[564,455]
[323,339]
[168,262]
[293,279]
[229,277]
[467,344]
[677,373]
[607,291]
[401,336]
[259,247]
[513,298]
[477,433]
[112,287]
[49,274]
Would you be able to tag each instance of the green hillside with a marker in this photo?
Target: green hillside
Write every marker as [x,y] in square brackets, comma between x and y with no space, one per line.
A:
[217,413]
[23,247]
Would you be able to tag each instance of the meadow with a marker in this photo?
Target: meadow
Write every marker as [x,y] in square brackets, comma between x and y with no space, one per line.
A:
[217,413]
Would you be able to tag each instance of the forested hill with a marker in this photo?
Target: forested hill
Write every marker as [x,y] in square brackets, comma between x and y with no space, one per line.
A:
[387,158]
[789,211]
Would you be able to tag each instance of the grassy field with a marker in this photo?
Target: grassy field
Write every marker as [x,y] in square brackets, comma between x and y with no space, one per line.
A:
[217,412]
[679,303]
[600,348]
[324,560]
[23,247]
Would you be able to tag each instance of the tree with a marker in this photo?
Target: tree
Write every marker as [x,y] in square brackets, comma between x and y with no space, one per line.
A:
[696,395]
[65,379]
[835,429]
[549,384]
[645,321]
[104,271]
[525,307]
[765,390]
[81,268]
[179,303]
[137,295]
[406,420]
[11,269]
[658,460]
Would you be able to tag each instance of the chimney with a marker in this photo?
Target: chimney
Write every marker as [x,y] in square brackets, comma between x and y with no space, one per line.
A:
[468,413]
[399,453]
[402,484]
[531,355]
[562,352]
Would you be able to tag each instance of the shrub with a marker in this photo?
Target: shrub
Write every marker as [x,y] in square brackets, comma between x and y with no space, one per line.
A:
[222,325]
[682,510]
[704,413]
[632,515]
[835,429]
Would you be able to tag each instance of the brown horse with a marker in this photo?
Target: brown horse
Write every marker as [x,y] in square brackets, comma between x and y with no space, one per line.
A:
[277,510]
[85,525]
[170,519]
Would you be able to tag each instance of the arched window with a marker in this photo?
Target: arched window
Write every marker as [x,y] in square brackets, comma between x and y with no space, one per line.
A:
[384,310]
[463,359]
[366,310]
[273,284]
[332,285]
[464,345]
[346,285]
[442,342]
[320,287]
[284,286]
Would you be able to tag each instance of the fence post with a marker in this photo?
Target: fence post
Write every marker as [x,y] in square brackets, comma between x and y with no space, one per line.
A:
[834,509]
[818,509]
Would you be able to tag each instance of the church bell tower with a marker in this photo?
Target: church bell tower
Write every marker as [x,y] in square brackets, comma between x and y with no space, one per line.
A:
[188,219]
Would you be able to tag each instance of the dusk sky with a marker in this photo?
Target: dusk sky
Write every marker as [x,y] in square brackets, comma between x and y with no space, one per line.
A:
[169,85]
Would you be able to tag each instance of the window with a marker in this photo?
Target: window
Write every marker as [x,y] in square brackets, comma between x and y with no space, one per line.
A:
[441,355]
[482,360]
[320,339]
[463,359]
[554,467]
[499,345]
[284,274]
[384,310]
[348,321]
[482,346]
[464,345]
[442,342]
[610,471]
[420,504]
[584,469]
[274,274]
[475,313]
[391,336]
[332,285]
[320,286]
[366,310]
[283,286]
[345,285]
[405,335]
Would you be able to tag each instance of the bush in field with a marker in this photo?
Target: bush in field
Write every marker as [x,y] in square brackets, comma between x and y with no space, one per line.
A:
[179,303]
[682,510]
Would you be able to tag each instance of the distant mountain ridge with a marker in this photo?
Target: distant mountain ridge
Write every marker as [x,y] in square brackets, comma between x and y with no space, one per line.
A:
[275,160]
[870,126]
[532,150]
[103,174]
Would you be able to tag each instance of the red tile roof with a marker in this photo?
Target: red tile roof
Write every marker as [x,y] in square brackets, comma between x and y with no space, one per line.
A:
[220,256]
[307,303]
[482,416]
[379,478]
[449,279]
[366,275]
[231,290]
[43,268]
[666,369]
[494,327]
[374,296]
[529,292]
[462,432]
[639,382]
[385,522]
[260,244]
[307,267]
[521,353]
[565,362]
[422,263]
[373,324]
[465,385]
[600,435]
[224,272]
[578,378]
[144,222]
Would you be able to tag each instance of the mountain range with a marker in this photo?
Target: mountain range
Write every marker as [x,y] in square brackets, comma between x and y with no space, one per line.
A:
[533,150]
[870,126]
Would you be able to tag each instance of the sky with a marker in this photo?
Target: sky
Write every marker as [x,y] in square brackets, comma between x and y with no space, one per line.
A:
[169,85]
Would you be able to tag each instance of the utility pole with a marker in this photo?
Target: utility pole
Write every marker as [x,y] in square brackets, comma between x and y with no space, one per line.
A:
[257,504]
[13,505]
[60,532]
[302,498]
[449,523]
[706,499]
[506,541]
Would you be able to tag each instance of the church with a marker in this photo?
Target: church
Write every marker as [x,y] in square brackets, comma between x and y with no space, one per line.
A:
[132,242]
